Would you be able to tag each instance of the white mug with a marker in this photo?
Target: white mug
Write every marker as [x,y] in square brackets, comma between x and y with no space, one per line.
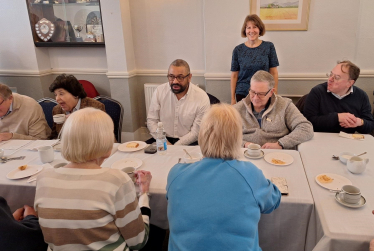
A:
[254,150]
[357,164]
[59,118]
[351,194]
[46,154]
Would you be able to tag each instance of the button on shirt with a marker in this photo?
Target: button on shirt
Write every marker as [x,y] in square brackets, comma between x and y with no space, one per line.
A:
[181,118]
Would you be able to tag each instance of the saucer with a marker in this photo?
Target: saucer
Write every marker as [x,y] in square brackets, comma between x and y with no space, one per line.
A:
[253,157]
[361,203]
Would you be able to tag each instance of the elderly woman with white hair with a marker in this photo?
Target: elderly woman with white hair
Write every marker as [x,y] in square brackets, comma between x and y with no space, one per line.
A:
[82,206]
[216,203]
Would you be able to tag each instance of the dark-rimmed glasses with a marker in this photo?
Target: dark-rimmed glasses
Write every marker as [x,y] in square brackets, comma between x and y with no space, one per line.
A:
[2,101]
[180,78]
[259,94]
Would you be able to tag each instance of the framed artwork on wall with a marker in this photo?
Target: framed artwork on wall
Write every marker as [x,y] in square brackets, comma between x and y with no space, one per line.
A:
[282,14]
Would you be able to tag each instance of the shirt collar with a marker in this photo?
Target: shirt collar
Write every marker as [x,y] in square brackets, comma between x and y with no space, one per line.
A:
[76,108]
[343,96]
[9,111]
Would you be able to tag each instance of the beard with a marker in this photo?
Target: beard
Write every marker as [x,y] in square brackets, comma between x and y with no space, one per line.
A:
[181,88]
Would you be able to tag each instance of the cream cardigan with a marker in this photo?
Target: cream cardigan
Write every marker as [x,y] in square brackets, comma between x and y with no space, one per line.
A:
[26,121]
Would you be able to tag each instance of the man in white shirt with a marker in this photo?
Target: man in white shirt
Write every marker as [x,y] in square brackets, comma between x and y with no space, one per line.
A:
[179,105]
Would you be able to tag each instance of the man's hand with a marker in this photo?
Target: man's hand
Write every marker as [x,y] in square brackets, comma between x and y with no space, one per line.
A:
[29,211]
[348,120]
[271,146]
[18,214]
[4,136]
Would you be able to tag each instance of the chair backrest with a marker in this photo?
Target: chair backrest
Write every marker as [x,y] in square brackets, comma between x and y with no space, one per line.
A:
[89,88]
[301,102]
[213,100]
[47,104]
[115,111]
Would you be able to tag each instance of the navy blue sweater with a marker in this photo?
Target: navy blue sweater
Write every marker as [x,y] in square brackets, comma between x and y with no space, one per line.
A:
[322,108]
[19,236]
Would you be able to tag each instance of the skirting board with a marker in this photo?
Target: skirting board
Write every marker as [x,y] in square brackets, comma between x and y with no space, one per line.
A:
[142,134]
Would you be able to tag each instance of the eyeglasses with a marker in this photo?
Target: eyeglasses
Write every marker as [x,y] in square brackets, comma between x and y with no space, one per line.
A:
[180,78]
[259,94]
[2,102]
[334,76]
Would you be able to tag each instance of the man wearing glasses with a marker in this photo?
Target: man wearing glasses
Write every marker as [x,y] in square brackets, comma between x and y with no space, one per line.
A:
[270,120]
[337,105]
[21,117]
[179,105]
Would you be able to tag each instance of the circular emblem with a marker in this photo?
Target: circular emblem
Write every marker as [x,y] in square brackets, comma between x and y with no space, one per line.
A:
[44,29]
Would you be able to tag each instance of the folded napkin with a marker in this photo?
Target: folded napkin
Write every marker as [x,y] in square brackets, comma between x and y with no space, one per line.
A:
[281,183]
[351,136]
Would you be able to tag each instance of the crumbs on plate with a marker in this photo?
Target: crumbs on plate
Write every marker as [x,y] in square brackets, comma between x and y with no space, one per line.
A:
[22,167]
[277,161]
[324,178]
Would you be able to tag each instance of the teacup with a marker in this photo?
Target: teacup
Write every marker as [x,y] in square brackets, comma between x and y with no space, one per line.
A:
[59,118]
[357,164]
[46,154]
[195,157]
[130,171]
[351,194]
[1,153]
[254,150]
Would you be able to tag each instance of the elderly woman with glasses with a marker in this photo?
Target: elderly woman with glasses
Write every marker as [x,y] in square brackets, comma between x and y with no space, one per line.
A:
[216,203]
[251,56]
[270,120]
[70,97]
[82,206]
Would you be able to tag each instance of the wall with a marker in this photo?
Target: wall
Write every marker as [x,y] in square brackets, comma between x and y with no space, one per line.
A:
[144,36]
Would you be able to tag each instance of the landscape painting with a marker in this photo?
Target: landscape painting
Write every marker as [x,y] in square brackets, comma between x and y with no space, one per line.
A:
[282,14]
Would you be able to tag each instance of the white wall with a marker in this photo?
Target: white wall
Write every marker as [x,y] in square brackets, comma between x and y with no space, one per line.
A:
[165,30]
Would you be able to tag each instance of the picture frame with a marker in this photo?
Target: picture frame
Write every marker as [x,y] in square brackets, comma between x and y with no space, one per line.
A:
[282,14]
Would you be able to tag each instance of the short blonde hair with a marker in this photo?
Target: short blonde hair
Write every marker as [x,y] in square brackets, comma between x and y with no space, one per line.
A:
[87,135]
[220,133]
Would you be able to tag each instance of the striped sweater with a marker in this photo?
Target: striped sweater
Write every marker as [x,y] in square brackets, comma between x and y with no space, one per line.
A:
[90,209]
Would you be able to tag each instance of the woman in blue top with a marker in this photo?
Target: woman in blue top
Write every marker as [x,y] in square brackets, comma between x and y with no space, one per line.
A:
[250,57]
[216,203]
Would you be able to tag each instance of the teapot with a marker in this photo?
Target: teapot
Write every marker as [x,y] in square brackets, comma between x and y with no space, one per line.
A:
[357,164]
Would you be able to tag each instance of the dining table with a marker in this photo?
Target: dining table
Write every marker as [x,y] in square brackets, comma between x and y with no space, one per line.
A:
[284,229]
[339,227]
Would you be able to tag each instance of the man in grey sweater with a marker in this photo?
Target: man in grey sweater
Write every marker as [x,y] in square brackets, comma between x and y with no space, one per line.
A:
[21,117]
[270,120]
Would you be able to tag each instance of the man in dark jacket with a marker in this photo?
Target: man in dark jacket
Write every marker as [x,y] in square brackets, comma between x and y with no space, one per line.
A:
[20,231]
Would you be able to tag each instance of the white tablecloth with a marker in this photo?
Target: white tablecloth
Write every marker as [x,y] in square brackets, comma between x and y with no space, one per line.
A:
[339,228]
[284,229]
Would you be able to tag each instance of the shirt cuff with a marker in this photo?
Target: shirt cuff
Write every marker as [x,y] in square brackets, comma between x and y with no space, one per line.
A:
[144,200]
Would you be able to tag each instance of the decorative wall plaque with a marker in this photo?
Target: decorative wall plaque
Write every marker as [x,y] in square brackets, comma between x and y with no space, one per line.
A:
[44,29]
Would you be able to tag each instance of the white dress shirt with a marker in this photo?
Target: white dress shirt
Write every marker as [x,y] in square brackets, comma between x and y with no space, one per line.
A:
[181,118]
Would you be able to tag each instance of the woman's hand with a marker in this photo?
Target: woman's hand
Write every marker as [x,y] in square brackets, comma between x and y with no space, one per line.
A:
[143,179]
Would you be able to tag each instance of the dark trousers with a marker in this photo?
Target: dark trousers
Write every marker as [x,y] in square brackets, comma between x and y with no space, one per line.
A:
[239,97]
[171,140]
[156,239]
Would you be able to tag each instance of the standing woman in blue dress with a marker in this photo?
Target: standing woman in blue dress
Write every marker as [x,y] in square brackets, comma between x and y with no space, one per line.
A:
[250,57]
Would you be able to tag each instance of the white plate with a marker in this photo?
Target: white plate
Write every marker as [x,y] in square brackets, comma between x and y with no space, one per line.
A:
[18,174]
[288,159]
[336,184]
[128,162]
[123,147]
[361,203]
[253,157]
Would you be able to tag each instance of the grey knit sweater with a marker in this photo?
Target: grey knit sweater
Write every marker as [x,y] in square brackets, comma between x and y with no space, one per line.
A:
[282,122]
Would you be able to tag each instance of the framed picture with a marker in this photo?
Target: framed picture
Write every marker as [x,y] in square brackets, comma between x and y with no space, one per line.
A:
[282,14]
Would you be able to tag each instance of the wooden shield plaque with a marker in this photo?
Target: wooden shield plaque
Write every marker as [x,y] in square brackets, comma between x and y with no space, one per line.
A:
[44,29]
